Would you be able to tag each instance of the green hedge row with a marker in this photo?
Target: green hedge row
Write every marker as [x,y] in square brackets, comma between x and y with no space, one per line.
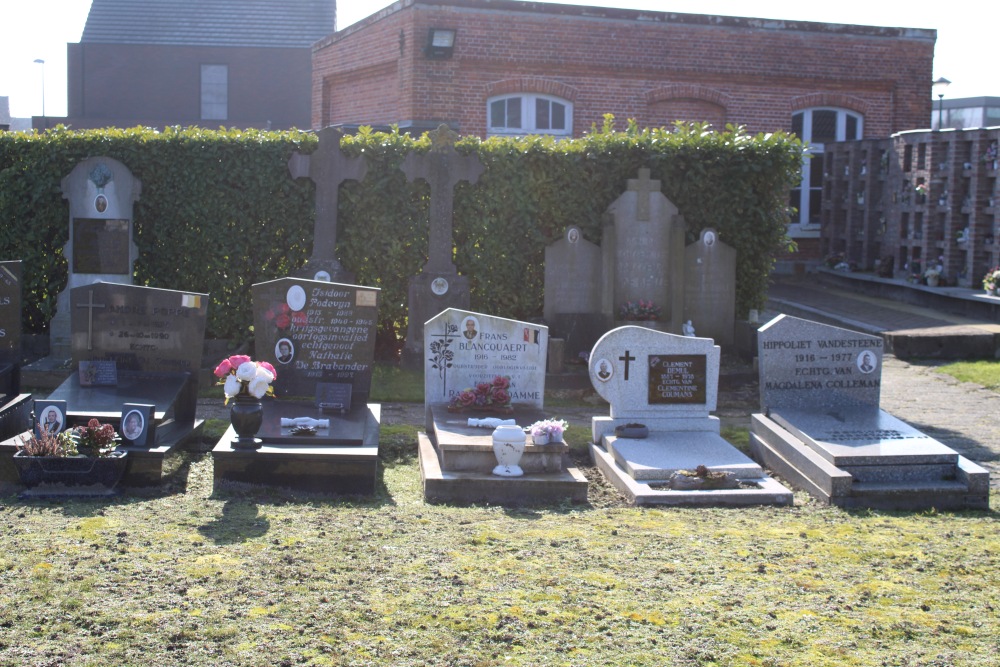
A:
[219,210]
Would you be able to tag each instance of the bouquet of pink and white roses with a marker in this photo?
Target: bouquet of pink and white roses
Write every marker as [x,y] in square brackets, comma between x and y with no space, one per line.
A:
[240,375]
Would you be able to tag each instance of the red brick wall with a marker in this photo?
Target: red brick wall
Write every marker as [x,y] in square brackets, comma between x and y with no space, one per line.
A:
[648,66]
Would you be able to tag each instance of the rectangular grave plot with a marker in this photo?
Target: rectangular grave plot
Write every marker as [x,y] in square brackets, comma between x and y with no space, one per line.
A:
[101,246]
[677,379]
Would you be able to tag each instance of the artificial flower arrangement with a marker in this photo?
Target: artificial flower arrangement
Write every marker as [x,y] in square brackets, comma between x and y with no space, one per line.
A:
[95,439]
[240,375]
[493,396]
[639,310]
[553,428]
[921,189]
[282,316]
[991,281]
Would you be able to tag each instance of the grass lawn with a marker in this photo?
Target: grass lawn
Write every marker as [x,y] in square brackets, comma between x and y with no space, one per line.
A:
[196,578]
[982,372]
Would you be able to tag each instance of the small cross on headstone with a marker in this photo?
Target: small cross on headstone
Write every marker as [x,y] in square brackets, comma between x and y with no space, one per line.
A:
[643,187]
[90,317]
[627,357]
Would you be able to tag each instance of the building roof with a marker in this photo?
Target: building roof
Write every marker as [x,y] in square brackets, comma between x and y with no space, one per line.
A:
[257,23]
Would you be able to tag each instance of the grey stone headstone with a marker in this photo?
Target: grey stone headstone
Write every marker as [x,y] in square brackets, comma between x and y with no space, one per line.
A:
[710,287]
[10,312]
[438,285]
[646,374]
[328,330]
[327,167]
[646,252]
[463,348]
[139,328]
[572,276]
[811,366]
[101,247]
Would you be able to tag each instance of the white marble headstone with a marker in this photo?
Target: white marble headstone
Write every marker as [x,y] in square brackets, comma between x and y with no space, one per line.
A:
[648,374]
[463,348]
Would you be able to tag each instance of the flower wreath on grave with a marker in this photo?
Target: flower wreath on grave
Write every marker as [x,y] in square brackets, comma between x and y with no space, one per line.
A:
[991,281]
[486,397]
[241,376]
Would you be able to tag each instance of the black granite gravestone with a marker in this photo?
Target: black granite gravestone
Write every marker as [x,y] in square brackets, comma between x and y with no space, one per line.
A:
[15,407]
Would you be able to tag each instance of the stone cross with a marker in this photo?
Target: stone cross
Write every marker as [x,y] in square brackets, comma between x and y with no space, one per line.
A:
[90,305]
[443,168]
[328,167]
[627,357]
[644,187]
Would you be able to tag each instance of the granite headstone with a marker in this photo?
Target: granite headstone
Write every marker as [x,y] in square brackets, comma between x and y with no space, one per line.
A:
[464,349]
[10,313]
[710,287]
[101,247]
[573,285]
[644,251]
[317,333]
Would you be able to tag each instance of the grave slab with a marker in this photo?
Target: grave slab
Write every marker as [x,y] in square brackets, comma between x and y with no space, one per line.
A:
[669,384]
[822,428]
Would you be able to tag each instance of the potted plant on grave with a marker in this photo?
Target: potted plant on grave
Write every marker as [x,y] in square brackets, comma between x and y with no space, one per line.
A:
[84,456]
[639,311]
[492,397]
[547,430]
[991,281]
[932,276]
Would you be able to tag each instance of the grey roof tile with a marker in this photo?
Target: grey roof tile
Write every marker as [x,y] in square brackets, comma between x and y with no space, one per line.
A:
[259,23]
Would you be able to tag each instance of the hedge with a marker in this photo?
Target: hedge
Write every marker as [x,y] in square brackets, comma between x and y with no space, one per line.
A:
[219,210]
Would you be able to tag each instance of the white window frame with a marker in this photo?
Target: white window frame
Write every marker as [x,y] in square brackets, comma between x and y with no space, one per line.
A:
[529,123]
[816,151]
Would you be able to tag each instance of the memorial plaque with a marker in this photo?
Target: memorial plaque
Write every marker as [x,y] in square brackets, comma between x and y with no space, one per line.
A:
[676,379]
[98,374]
[806,364]
[316,332]
[333,397]
[10,312]
[101,246]
[464,349]
[138,328]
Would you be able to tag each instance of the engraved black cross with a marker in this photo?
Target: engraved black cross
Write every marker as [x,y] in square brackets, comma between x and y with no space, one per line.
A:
[626,358]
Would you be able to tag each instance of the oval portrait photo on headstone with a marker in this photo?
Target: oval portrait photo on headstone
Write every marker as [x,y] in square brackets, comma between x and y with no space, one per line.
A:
[284,350]
[470,328]
[101,203]
[604,370]
[867,361]
[52,420]
[296,297]
[132,425]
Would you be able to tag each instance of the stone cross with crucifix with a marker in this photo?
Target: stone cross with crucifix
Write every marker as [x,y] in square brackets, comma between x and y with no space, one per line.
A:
[443,168]
[328,167]
[438,286]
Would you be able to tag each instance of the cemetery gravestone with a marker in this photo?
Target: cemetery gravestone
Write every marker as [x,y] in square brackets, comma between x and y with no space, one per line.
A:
[327,167]
[466,350]
[710,287]
[573,280]
[644,250]
[15,407]
[101,247]
[438,286]
[822,429]
[320,338]
[138,345]
[667,385]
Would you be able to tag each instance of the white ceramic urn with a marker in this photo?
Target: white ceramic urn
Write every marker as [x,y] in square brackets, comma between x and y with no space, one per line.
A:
[508,447]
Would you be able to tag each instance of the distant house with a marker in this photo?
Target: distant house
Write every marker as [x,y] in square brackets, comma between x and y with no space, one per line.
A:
[494,67]
[237,63]
[966,113]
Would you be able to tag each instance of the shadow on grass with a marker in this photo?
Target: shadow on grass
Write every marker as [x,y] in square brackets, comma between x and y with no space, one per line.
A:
[240,521]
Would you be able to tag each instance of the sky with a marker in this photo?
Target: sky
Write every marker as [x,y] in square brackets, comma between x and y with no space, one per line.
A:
[965,52]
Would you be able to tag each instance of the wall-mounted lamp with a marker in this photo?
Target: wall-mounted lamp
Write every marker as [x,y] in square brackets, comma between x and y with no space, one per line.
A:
[440,43]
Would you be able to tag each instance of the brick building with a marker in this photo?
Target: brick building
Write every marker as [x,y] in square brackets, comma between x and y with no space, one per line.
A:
[243,63]
[501,66]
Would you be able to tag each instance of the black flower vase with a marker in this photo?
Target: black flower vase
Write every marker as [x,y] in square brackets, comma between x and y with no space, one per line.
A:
[247,414]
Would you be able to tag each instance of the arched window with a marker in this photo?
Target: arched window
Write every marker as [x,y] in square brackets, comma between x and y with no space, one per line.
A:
[819,126]
[526,113]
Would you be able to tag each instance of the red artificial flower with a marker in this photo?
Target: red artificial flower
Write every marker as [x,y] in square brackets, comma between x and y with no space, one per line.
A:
[238,359]
[282,321]
[223,369]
